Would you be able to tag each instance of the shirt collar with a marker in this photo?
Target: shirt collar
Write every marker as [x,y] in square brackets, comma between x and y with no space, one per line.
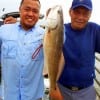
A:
[32,29]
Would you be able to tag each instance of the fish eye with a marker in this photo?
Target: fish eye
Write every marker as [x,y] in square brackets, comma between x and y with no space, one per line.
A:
[59,11]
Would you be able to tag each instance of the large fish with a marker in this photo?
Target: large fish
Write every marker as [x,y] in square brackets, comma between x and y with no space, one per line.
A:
[53,42]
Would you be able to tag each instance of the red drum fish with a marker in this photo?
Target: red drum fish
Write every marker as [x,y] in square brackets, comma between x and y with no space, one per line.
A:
[53,42]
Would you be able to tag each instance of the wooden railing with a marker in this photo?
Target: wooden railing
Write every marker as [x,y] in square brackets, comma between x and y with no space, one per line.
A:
[97,79]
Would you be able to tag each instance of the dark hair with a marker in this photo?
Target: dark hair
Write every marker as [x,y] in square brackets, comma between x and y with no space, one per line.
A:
[33,0]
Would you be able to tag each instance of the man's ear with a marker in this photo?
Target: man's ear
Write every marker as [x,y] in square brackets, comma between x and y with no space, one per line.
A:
[69,12]
[19,8]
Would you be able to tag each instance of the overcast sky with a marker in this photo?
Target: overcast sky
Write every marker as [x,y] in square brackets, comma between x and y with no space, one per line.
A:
[12,5]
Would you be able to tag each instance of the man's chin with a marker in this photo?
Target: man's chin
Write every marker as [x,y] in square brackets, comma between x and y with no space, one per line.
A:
[30,25]
[80,27]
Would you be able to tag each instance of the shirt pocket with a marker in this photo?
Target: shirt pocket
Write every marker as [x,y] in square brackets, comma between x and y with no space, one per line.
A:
[36,49]
[38,53]
[9,49]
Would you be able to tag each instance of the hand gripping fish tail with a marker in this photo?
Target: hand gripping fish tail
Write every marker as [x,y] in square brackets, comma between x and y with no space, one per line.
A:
[53,42]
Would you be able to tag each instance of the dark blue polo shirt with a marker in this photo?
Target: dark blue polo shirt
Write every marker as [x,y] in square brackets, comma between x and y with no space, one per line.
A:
[79,53]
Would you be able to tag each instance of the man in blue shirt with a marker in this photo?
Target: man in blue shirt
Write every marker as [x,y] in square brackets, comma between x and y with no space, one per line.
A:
[82,40]
[22,55]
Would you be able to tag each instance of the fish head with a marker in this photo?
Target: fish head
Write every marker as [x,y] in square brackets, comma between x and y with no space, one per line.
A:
[54,17]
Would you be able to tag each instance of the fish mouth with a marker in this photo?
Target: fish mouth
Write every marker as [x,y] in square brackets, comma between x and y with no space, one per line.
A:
[52,23]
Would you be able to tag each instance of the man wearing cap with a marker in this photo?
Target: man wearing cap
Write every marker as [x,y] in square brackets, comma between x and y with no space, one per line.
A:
[82,40]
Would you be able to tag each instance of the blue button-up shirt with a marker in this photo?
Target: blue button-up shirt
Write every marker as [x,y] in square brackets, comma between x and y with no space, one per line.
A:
[22,62]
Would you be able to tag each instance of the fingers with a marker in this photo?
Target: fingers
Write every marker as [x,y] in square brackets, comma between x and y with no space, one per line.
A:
[10,20]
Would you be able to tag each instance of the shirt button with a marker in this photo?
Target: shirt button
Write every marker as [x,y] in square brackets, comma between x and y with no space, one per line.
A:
[21,87]
[21,76]
[22,66]
[23,54]
[24,43]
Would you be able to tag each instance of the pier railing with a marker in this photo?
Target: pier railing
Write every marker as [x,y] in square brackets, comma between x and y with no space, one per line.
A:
[97,79]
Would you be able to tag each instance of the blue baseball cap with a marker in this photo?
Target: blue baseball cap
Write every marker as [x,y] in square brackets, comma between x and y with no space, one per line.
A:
[85,3]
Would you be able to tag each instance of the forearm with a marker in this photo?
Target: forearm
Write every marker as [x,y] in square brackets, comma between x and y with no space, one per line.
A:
[10,20]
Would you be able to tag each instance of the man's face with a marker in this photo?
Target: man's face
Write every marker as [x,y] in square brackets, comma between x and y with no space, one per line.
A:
[29,13]
[79,17]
